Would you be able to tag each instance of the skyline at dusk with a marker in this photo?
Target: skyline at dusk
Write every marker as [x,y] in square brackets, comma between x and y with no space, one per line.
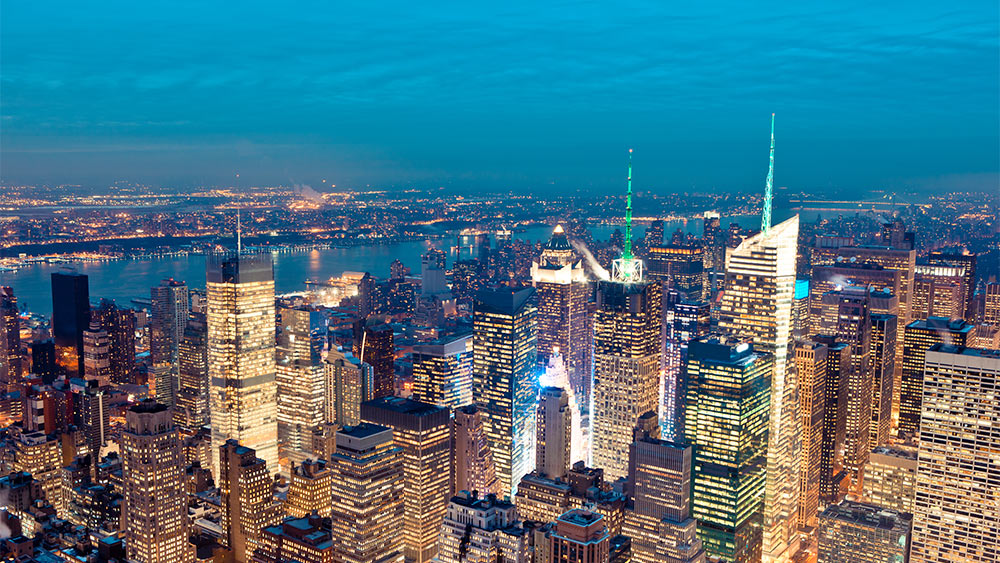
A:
[523,98]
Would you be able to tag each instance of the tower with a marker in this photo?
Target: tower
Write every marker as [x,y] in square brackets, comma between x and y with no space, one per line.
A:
[12,361]
[442,371]
[248,506]
[552,447]
[170,305]
[765,220]
[919,337]
[191,406]
[471,456]
[241,350]
[70,317]
[301,382]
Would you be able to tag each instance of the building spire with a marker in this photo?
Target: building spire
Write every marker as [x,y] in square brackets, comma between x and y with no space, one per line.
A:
[765,220]
[627,252]
[239,233]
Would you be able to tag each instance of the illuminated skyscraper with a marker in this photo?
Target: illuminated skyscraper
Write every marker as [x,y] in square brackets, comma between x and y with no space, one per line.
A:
[554,437]
[191,406]
[714,243]
[248,505]
[70,317]
[564,322]
[682,267]
[920,336]
[12,361]
[832,475]
[154,496]
[883,362]
[728,394]
[97,354]
[891,478]
[967,262]
[374,345]
[309,489]
[119,323]
[170,305]
[811,362]
[442,372]
[757,306]
[685,321]
[368,484]
[423,433]
[853,532]
[348,384]
[241,351]
[472,459]
[504,383]
[956,513]
[301,382]
[991,308]
[303,539]
[939,291]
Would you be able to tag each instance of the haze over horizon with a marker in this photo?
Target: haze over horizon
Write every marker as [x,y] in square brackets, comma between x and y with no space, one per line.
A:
[520,97]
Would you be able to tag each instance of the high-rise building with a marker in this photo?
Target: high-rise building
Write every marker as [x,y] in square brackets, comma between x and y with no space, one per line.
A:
[241,351]
[919,337]
[375,346]
[938,291]
[92,414]
[681,267]
[301,382]
[991,305]
[191,405]
[757,306]
[658,518]
[97,354]
[847,314]
[579,536]
[965,260]
[70,317]
[423,433]
[504,386]
[309,489]
[348,384]
[684,321]
[154,496]
[564,321]
[246,491]
[853,532]
[956,516]
[442,371]
[891,478]
[812,364]
[627,357]
[120,325]
[433,267]
[41,455]
[12,360]
[713,242]
[883,366]
[832,475]
[554,438]
[728,394]
[482,529]
[170,305]
[368,484]
[472,459]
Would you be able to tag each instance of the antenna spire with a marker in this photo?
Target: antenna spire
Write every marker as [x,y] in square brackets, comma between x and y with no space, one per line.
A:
[765,220]
[239,233]
[627,252]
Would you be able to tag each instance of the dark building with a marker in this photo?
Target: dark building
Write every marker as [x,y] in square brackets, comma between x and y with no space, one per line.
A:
[832,474]
[374,345]
[70,317]
[894,234]
[120,325]
[681,266]
[11,357]
[43,359]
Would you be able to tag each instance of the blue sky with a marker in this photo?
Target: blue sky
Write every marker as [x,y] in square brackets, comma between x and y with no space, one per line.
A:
[510,95]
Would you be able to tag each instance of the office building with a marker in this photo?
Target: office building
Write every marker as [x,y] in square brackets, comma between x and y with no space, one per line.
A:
[368,484]
[191,405]
[891,478]
[41,455]
[170,306]
[883,367]
[812,364]
[374,345]
[154,502]
[728,394]
[681,267]
[554,437]
[504,387]
[713,242]
[309,489]
[939,291]
[301,382]
[956,513]
[472,459]
[348,384]
[246,492]
[564,320]
[757,306]
[833,480]
[423,433]
[991,304]
[241,353]
[579,536]
[12,361]
[92,414]
[442,372]
[658,518]
[853,532]
[684,320]
[967,262]
[70,317]
[97,354]
[482,529]
[919,337]
[304,539]
[119,323]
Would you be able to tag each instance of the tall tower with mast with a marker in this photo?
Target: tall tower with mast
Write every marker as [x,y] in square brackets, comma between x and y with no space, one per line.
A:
[765,220]
[628,268]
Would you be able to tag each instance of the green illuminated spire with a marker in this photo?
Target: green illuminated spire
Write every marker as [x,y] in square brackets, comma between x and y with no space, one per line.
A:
[627,253]
[765,221]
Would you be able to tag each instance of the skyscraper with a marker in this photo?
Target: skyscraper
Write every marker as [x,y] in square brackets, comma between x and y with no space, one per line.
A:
[832,474]
[967,262]
[309,489]
[191,406]
[241,346]
[853,532]
[811,362]
[301,381]
[12,360]
[579,536]
[368,483]
[70,317]
[472,459]
[553,442]
[154,495]
[248,505]
[891,478]
[939,291]
[883,363]
[757,306]
[482,529]
[97,354]
[713,242]
[728,394]
[170,305]
[423,433]
[919,337]
[348,384]
[504,387]
[681,267]
[375,346]
[442,371]
[659,488]
[956,513]
[564,322]
[119,323]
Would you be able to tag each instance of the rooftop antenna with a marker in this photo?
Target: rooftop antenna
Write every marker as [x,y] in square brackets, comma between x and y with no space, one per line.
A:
[239,233]
[627,252]
[628,268]
[765,220]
